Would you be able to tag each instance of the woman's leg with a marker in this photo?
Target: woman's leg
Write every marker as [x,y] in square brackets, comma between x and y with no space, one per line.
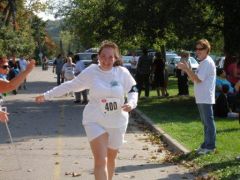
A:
[100,153]
[111,156]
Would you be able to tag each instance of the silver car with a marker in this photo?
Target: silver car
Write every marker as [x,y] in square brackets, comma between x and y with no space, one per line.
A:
[172,65]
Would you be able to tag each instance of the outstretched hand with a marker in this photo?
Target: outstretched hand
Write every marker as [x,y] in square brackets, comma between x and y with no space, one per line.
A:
[126,107]
[3,116]
[40,99]
[182,65]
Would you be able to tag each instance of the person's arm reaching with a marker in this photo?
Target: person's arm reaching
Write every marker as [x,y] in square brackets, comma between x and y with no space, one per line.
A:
[3,116]
[6,86]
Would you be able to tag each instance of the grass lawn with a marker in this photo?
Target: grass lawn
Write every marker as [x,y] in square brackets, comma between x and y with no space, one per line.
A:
[179,117]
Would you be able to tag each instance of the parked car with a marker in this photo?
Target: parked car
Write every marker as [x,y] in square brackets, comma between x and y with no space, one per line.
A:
[172,65]
[86,57]
[127,61]
[169,56]
[50,62]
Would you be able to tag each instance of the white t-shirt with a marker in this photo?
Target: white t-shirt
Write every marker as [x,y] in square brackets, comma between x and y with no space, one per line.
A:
[68,70]
[104,86]
[205,90]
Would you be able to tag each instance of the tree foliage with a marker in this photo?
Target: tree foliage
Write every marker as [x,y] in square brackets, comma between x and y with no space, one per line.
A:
[21,32]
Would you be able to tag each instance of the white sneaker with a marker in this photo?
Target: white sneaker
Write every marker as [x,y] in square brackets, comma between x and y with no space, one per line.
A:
[198,149]
[205,151]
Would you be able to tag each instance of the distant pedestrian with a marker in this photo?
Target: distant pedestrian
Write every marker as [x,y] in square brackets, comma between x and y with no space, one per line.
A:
[204,90]
[23,64]
[158,68]
[143,73]
[68,69]
[57,68]
[182,76]
[14,70]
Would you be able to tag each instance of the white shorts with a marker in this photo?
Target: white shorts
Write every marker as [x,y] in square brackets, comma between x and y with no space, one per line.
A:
[115,135]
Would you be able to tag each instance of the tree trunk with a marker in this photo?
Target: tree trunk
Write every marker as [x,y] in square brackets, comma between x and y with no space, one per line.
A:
[231,27]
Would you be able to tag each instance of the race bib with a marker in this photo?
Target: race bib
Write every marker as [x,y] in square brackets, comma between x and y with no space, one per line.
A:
[110,105]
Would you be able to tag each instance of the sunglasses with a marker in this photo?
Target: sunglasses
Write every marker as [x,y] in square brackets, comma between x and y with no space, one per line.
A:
[199,49]
[5,67]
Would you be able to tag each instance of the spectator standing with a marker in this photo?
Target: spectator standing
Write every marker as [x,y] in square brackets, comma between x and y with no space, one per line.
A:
[233,71]
[57,68]
[182,76]
[105,117]
[22,65]
[68,69]
[220,81]
[204,90]
[44,63]
[158,68]
[143,73]
[78,69]
[14,70]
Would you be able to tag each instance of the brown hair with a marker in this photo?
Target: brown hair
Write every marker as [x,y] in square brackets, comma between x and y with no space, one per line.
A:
[205,44]
[3,60]
[114,46]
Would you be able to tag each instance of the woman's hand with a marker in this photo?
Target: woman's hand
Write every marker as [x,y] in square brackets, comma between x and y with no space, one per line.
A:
[3,116]
[126,107]
[40,99]
[182,65]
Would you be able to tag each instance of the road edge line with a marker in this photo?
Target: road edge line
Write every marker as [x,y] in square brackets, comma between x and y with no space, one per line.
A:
[173,144]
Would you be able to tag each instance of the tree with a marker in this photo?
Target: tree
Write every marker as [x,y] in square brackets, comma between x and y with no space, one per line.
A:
[231,27]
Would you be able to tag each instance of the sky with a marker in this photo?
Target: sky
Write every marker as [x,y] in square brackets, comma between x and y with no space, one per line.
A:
[46,15]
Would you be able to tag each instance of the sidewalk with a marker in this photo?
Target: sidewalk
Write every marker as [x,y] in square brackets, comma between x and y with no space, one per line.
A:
[51,141]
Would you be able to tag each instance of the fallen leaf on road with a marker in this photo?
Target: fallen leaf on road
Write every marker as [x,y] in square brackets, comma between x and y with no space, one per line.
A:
[134,156]
[154,157]
[145,148]
[68,173]
[56,163]
[76,174]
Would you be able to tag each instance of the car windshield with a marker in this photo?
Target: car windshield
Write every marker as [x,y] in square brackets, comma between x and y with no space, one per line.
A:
[193,61]
[85,56]
[126,59]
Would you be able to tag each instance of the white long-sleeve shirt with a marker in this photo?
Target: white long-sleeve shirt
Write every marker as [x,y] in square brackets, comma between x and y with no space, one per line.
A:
[107,92]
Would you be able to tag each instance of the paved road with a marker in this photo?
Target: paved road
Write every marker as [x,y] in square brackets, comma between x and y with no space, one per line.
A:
[50,141]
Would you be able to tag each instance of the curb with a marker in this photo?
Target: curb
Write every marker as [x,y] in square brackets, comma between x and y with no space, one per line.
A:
[173,144]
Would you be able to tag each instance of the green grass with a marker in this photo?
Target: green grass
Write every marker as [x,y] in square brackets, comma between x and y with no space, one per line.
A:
[179,117]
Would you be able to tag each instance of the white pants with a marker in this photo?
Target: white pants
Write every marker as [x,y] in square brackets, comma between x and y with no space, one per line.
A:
[115,135]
